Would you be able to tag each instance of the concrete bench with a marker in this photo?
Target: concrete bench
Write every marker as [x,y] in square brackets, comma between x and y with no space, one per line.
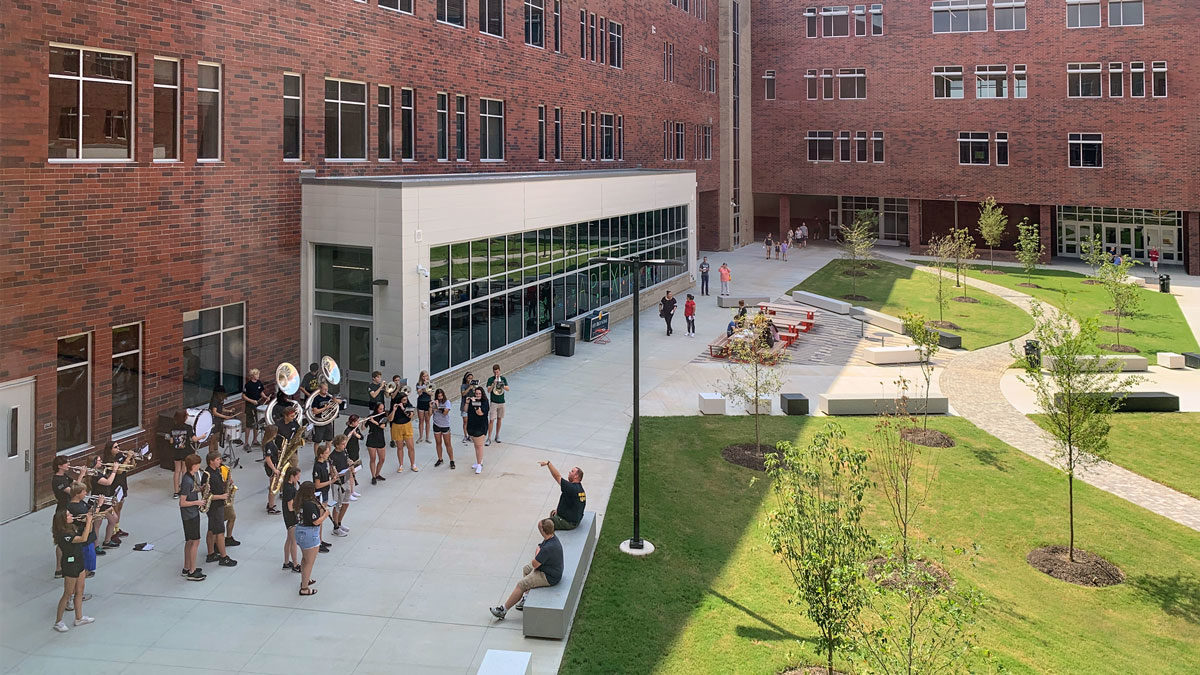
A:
[1141,401]
[730,301]
[506,662]
[1191,359]
[949,340]
[887,355]
[880,319]
[870,404]
[1125,362]
[814,300]
[550,611]
[711,403]
[793,404]
[1170,360]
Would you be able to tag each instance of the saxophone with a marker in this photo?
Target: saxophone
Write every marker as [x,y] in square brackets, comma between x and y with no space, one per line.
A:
[286,459]
[205,493]
[229,496]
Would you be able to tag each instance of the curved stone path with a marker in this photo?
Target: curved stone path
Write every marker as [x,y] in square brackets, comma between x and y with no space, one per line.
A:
[971,380]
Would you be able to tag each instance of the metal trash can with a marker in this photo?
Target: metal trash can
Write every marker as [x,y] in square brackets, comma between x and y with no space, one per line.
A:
[1164,283]
[1033,353]
[564,338]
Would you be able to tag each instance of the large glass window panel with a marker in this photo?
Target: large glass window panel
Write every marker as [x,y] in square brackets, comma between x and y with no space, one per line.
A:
[516,323]
[439,267]
[479,328]
[559,304]
[499,319]
[439,342]
[558,243]
[571,295]
[479,259]
[460,263]
[460,335]
[530,249]
[530,310]
[343,268]
[543,309]
[201,363]
[126,387]
[496,256]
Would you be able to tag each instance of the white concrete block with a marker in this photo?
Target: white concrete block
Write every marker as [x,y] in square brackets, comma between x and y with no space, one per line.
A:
[506,662]
[712,403]
[1170,360]
[1126,362]
[886,355]
[814,300]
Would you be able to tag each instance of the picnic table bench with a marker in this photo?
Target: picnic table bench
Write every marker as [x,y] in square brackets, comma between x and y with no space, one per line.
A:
[793,310]
[719,347]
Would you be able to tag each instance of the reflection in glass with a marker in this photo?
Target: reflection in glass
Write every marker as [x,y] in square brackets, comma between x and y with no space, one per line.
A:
[439,342]
[460,335]
[479,328]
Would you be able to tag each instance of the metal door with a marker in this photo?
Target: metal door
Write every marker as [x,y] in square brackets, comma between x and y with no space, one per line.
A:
[16,442]
[348,342]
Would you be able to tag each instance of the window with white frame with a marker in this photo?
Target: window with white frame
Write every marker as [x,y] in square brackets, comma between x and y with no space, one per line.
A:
[947,82]
[835,21]
[541,133]
[460,128]
[293,112]
[557,26]
[1158,80]
[1010,14]
[827,84]
[620,138]
[991,81]
[820,146]
[592,137]
[73,402]
[959,16]
[668,150]
[616,44]
[443,126]
[707,136]
[680,141]
[810,22]
[769,85]
[1020,81]
[1137,79]
[1116,80]
[345,119]
[558,135]
[973,147]
[844,146]
[860,20]
[853,82]
[608,137]
[214,352]
[453,12]
[1086,150]
[877,151]
[491,129]
[860,146]
[1083,80]
[712,76]
[405,6]
[1125,13]
[166,109]
[812,83]
[668,62]
[1083,13]
[383,105]
[535,23]
[126,378]
[491,17]
[91,104]
[408,125]
[1001,148]
[877,19]
[208,112]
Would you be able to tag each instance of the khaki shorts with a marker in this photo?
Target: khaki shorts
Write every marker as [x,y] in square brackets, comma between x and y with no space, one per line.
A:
[532,579]
[402,432]
[496,411]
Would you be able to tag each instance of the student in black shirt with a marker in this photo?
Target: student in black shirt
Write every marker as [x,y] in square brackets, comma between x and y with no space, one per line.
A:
[310,382]
[323,433]
[291,485]
[105,484]
[666,309]
[252,396]
[572,500]
[189,512]
[181,445]
[354,434]
[216,513]
[288,426]
[271,449]
[70,539]
[424,396]
[220,413]
[61,483]
[402,431]
[375,390]
[375,439]
[311,514]
[545,569]
[477,424]
[340,490]
[322,478]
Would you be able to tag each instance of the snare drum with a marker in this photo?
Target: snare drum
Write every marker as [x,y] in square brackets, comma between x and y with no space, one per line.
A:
[233,429]
[260,418]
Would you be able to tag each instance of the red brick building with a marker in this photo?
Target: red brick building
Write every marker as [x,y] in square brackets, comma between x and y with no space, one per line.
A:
[1078,114]
[151,156]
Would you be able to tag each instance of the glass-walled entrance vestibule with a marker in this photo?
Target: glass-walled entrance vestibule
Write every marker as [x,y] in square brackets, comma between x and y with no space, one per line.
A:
[343,316]
[1131,232]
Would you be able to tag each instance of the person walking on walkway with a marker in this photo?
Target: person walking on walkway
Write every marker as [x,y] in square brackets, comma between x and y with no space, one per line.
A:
[477,423]
[1154,259]
[666,309]
[783,247]
[767,245]
[704,266]
[689,314]
[726,277]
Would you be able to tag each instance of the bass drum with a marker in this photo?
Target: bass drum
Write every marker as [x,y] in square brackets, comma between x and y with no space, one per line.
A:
[202,426]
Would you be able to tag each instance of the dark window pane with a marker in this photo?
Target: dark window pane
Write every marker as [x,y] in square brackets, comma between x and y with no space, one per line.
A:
[354,131]
[125,392]
[73,350]
[479,259]
[479,329]
[72,408]
[107,121]
[439,342]
[496,258]
[460,335]
[439,267]
[344,303]
[201,361]
[64,119]
[543,305]
[108,66]
[530,310]
[232,315]
[515,323]
[499,321]
[558,307]
[332,149]
[198,323]
[233,346]
[343,268]
[165,136]
[208,124]
[64,61]
[126,339]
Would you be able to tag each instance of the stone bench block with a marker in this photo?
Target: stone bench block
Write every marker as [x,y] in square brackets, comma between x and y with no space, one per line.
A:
[550,611]
[793,404]
[870,404]
[949,340]
[711,403]
[1141,401]
[506,662]
[814,300]
[731,301]
[888,355]
[880,319]
[1126,362]
[1170,360]
[1191,359]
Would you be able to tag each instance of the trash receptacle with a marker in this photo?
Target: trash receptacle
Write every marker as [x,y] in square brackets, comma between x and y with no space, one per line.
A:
[1164,283]
[564,338]
[1033,353]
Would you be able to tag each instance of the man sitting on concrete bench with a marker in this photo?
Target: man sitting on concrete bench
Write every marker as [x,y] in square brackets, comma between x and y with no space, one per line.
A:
[546,569]
[573,498]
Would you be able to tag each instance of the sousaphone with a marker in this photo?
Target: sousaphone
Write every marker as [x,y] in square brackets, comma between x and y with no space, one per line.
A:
[287,379]
[330,374]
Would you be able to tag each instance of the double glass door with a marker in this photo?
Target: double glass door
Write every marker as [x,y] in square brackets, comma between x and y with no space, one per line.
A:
[349,343]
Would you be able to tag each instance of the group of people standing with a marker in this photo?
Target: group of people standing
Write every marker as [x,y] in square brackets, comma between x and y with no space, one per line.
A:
[794,238]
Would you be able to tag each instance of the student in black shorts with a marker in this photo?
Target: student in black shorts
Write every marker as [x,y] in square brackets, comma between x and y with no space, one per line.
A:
[477,424]
[70,541]
[252,396]
[291,552]
[216,513]
[271,449]
[354,434]
[181,440]
[189,512]
[61,483]
[376,423]
[322,478]
[424,396]
[323,434]
[339,492]
[105,484]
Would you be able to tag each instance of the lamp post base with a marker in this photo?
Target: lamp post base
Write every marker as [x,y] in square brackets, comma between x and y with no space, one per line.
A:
[647,548]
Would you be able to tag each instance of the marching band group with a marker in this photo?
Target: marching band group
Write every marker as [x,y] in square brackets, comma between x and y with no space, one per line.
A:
[91,497]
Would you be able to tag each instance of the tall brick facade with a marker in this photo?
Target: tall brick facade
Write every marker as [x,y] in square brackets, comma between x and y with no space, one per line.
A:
[89,245]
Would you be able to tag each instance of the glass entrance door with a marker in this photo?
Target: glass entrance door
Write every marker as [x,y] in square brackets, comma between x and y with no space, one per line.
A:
[349,343]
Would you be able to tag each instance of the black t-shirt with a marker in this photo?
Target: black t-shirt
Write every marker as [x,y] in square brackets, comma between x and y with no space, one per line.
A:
[477,423]
[341,462]
[287,430]
[100,489]
[79,510]
[571,501]
[311,382]
[402,416]
[253,391]
[550,555]
[320,474]
[320,400]
[704,268]
[286,495]
[188,490]
[180,435]
[271,451]
[352,435]
[216,484]
[377,398]
[668,305]
[375,433]
[69,548]
[62,488]
[309,512]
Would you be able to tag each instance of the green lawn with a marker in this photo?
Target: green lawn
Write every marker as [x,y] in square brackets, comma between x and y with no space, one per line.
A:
[713,599]
[1160,446]
[1158,327]
[895,289]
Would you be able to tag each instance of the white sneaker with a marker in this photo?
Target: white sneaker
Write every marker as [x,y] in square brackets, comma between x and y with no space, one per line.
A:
[487,441]
[61,627]
[345,529]
[356,493]
[353,498]
[478,468]
[71,605]
[338,533]
[84,621]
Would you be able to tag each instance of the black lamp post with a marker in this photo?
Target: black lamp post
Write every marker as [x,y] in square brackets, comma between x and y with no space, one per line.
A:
[636,545]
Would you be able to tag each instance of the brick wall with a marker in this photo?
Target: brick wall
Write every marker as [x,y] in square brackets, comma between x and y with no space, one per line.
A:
[88,246]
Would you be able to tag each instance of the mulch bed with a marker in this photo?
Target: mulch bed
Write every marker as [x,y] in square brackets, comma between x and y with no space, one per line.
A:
[1088,569]
[747,455]
[1025,285]
[856,298]
[963,298]
[930,574]
[854,273]
[930,438]
[1124,349]
[948,325]
[810,670]
[1114,329]
[1091,282]
[994,272]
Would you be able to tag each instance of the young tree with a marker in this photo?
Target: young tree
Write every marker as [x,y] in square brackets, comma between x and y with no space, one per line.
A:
[1075,392]
[925,339]
[964,252]
[942,250]
[816,530]
[1125,294]
[753,374]
[858,241]
[1093,254]
[992,224]
[1029,248]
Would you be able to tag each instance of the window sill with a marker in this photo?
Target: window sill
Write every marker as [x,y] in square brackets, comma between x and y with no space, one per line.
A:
[452,25]
[396,11]
[498,37]
[492,161]
[128,433]
[408,161]
[76,451]
[209,161]
[338,160]
[386,161]
[167,161]
[293,159]
[68,160]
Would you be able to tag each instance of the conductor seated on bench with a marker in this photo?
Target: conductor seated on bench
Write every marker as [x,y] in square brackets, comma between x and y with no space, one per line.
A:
[546,569]
[573,498]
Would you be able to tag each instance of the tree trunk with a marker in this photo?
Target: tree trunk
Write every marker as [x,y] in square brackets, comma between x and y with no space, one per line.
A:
[829,660]
[1071,512]
[991,258]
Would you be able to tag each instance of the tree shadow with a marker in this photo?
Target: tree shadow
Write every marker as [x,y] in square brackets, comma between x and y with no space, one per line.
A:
[989,457]
[772,631]
[1178,595]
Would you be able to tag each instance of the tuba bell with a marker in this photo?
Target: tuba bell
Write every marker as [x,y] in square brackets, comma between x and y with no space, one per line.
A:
[287,379]
[330,374]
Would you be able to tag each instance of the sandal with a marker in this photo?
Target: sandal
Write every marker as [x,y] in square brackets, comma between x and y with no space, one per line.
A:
[308,591]
[312,582]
